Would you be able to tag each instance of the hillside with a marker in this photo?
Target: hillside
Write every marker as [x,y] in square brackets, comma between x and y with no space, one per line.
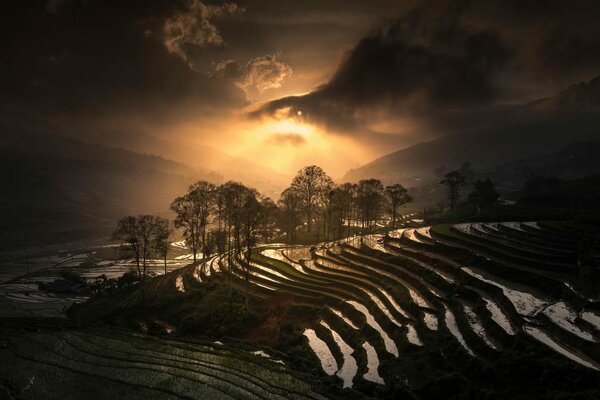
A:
[59,189]
[201,156]
[528,131]
[431,313]
[574,161]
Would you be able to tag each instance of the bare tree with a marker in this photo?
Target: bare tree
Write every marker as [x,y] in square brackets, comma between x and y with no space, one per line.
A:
[397,196]
[311,183]
[187,218]
[203,196]
[162,233]
[127,231]
[338,208]
[268,224]
[370,202]
[289,213]
[146,228]
[253,213]
[233,199]
[193,212]
[350,191]
[138,232]
[454,182]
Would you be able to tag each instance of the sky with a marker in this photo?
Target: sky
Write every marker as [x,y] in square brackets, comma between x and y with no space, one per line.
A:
[285,83]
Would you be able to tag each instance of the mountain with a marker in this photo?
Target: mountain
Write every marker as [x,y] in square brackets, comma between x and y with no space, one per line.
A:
[581,96]
[521,132]
[57,189]
[571,162]
[266,180]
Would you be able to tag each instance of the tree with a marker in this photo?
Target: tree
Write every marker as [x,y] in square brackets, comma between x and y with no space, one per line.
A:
[370,202]
[484,193]
[232,202]
[203,196]
[348,194]
[454,182]
[268,224]
[146,229]
[193,211]
[187,219]
[466,170]
[138,232]
[289,213]
[253,212]
[311,183]
[397,196]
[162,233]
[127,231]
[338,208]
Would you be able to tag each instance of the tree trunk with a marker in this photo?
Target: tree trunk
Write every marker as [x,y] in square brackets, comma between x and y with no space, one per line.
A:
[229,260]
[137,262]
[247,274]
[194,244]
[203,241]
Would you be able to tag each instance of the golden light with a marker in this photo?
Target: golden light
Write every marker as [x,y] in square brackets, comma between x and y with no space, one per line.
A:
[288,126]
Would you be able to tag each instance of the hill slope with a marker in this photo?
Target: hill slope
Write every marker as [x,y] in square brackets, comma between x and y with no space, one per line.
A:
[59,189]
[535,129]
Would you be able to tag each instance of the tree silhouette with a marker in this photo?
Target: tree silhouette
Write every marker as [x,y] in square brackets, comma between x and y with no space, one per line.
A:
[289,213]
[484,193]
[311,184]
[397,196]
[162,233]
[454,182]
[193,211]
[370,202]
[139,234]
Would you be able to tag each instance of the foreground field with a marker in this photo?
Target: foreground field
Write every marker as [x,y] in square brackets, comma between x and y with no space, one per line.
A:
[107,363]
[467,303]
[495,311]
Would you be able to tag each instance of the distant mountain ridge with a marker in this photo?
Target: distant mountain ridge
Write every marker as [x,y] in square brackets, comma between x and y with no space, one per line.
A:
[580,96]
[57,189]
[63,146]
[201,156]
[535,129]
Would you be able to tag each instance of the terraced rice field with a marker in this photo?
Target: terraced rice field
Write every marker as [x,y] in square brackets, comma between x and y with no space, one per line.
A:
[106,363]
[385,298]
[439,298]
[20,293]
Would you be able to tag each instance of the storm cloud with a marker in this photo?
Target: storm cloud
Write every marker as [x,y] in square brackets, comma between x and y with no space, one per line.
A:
[256,75]
[444,60]
[193,25]
[102,60]
[385,73]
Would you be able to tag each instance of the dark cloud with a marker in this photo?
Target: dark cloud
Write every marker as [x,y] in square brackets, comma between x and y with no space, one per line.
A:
[431,65]
[193,26]
[443,60]
[146,60]
[92,60]
[256,75]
